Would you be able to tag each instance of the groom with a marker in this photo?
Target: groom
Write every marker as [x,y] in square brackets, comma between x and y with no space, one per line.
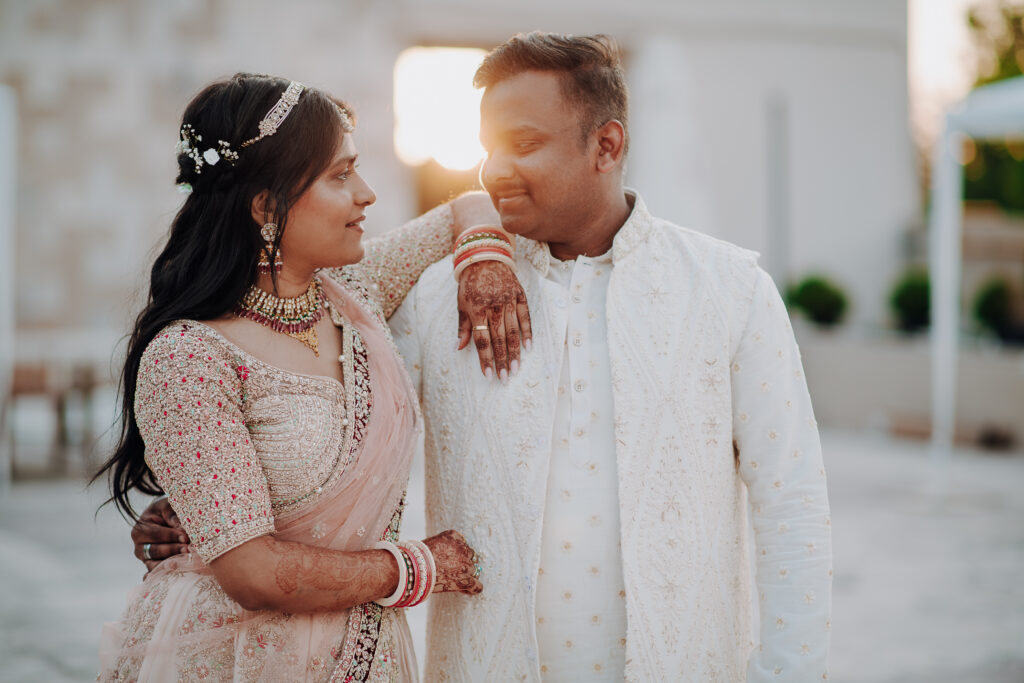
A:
[662,403]
[662,406]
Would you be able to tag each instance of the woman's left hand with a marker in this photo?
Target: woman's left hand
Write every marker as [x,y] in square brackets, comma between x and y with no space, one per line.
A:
[493,312]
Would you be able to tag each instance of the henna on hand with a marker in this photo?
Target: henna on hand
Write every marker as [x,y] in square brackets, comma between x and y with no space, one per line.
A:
[491,296]
[455,566]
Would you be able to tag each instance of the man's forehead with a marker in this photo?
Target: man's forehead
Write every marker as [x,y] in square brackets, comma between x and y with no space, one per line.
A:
[531,98]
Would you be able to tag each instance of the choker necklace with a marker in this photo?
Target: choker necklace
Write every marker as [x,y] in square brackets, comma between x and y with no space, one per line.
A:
[296,317]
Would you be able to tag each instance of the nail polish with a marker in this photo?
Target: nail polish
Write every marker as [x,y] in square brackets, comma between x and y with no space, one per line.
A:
[488,373]
[514,365]
[503,375]
[528,344]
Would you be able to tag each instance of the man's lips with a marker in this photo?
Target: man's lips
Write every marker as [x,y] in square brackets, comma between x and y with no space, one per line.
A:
[508,196]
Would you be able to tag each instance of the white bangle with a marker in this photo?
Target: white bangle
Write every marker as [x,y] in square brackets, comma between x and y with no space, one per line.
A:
[403,575]
[477,258]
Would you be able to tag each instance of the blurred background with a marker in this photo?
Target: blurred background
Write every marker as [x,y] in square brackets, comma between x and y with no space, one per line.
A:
[808,130]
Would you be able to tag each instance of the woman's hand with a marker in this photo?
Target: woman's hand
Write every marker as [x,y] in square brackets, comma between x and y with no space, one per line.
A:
[457,567]
[158,534]
[493,312]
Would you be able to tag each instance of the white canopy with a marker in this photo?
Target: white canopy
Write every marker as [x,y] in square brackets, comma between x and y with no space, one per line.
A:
[991,111]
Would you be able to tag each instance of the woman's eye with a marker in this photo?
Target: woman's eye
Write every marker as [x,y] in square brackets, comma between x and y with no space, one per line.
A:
[347,173]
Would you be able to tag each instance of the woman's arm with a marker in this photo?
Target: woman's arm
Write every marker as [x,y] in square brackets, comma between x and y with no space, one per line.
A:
[393,262]
[266,573]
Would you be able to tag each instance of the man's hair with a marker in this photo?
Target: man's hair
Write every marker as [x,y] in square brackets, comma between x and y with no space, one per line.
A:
[590,70]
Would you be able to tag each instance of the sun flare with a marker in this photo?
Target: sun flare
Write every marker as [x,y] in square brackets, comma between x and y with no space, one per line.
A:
[437,109]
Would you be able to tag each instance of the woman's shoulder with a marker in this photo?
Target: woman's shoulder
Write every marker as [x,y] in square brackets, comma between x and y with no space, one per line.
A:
[357,281]
[187,345]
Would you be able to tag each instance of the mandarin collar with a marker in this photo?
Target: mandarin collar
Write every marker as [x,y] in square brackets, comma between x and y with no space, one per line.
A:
[632,234]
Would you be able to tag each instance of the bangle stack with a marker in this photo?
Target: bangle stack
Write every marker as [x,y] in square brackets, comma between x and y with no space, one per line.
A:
[417,573]
[482,243]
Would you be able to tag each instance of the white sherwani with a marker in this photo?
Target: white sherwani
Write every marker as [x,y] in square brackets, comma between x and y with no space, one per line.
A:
[712,418]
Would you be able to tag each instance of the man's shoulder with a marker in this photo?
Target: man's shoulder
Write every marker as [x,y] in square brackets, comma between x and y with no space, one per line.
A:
[700,243]
[713,257]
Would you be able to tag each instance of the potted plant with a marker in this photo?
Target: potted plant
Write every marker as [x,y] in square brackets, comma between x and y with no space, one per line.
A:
[818,298]
[910,300]
[991,307]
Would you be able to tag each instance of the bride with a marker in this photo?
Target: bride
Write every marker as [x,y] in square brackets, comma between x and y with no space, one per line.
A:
[263,395]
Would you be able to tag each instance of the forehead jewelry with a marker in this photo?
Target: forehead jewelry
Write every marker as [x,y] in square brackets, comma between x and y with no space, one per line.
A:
[278,113]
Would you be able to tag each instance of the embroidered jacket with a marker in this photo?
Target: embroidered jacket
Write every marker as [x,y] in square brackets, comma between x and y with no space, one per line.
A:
[713,423]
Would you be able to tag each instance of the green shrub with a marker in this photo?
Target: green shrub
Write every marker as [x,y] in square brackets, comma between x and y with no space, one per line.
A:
[991,307]
[910,300]
[822,301]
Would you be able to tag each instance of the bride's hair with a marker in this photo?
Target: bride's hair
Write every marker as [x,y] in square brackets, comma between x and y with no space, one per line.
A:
[213,247]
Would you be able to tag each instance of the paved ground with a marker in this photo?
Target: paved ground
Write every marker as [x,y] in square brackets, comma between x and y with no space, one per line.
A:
[927,588]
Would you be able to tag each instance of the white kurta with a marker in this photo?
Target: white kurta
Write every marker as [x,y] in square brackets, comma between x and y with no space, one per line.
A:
[581,597]
[712,422]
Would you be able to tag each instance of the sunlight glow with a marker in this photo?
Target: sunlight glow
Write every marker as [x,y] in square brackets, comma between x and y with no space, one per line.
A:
[437,109]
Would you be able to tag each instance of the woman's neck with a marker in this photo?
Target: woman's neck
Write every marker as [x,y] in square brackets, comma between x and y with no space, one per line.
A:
[290,283]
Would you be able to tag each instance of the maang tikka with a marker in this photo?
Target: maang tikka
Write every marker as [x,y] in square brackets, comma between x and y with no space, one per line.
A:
[269,234]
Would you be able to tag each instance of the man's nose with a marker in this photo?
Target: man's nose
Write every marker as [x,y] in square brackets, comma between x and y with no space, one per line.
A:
[495,169]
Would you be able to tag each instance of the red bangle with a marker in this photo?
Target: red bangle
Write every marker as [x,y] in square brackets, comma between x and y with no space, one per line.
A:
[481,250]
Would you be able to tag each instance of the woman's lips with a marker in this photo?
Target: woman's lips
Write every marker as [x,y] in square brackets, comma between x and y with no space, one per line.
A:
[356,224]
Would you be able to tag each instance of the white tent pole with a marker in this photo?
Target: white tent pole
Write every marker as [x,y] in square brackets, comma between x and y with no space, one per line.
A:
[945,256]
[8,151]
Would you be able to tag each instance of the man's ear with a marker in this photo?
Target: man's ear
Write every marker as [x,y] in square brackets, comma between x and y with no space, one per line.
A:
[262,207]
[611,145]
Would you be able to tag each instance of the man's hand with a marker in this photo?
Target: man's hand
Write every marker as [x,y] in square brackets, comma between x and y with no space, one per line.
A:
[159,527]
[493,312]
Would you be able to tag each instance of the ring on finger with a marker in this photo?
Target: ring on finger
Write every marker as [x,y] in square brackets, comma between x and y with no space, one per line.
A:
[477,571]
[145,551]
[478,328]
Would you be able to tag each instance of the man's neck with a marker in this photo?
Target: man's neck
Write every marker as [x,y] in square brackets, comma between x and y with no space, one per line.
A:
[596,237]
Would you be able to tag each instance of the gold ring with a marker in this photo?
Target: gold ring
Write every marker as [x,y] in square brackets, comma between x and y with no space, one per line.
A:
[481,327]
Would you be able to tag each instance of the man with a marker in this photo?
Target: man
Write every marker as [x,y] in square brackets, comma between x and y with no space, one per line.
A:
[663,399]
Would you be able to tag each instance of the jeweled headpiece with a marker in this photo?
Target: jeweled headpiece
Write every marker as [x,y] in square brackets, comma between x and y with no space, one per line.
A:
[276,116]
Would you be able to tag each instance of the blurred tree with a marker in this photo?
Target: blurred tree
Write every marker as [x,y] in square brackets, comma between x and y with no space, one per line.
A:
[996,171]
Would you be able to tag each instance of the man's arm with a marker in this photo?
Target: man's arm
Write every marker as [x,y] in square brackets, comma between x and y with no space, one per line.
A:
[780,460]
[158,535]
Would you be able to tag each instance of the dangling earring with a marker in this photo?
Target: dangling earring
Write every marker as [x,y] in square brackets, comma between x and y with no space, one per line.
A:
[269,234]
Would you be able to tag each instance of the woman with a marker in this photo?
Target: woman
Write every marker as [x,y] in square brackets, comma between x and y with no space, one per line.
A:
[263,395]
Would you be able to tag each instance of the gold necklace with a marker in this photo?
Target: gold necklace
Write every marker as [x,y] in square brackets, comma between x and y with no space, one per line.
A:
[296,317]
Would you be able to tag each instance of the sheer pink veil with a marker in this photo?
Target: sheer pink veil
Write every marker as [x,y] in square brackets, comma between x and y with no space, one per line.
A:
[352,515]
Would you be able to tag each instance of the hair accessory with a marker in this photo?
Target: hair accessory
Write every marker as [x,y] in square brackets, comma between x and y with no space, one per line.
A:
[296,317]
[278,113]
[188,144]
[269,234]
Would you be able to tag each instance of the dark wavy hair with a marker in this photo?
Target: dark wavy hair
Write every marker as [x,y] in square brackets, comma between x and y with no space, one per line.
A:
[213,247]
[590,68]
